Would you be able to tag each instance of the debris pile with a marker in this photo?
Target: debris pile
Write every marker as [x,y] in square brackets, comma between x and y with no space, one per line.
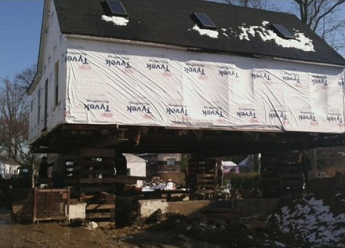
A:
[90,225]
[157,183]
[219,232]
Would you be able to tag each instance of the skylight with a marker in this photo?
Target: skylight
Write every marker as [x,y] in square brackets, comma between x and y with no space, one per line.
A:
[282,31]
[117,8]
[204,21]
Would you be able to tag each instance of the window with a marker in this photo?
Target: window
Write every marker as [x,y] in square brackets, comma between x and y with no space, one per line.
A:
[32,105]
[204,21]
[117,8]
[171,161]
[282,31]
[46,104]
[39,105]
[56,83]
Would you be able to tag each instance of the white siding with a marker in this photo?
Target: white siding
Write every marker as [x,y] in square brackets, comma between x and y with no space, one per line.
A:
[137,167]
[54,50]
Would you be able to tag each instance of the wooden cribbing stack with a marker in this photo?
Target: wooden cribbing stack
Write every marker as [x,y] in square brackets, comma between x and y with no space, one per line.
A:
[100,208]
[96,165]
[91,177]
[282,172]
[202,177]
[97,182]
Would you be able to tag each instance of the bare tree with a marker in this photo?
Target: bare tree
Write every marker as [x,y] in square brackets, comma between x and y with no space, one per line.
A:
[256,4]
[313,12]
[324,18]
[14,117]
[24,79]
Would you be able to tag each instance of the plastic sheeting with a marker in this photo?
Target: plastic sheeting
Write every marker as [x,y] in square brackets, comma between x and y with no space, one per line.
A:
[133,85]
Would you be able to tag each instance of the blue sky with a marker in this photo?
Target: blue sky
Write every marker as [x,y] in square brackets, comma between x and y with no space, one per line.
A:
[20,25]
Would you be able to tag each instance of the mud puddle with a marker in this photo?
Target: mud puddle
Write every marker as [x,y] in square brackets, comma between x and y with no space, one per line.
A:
[50,235]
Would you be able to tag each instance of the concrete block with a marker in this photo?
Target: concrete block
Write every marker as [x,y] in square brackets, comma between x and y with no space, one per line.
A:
[148,207]
[77,211]
[187,208]
[190,209]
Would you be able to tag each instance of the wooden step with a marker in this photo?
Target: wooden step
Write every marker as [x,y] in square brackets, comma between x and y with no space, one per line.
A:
[100,206]
[98,152]
[101,215]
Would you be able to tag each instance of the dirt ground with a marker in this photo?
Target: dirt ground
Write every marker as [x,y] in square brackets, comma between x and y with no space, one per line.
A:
[171,233]
[54,235]
[313,219]
[174,232]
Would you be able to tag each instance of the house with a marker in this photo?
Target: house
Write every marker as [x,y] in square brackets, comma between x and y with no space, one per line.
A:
[182,76]
[230,167]
[248,164]
[136,166]
[169,162]
[164,165]
[8,167]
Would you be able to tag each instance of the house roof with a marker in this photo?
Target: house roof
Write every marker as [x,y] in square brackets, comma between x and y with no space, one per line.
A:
[131,158]
[169,22]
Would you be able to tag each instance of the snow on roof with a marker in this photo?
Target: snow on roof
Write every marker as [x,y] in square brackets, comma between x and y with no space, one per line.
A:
[228,163]
[169,22]
[210,33]
[117,20]
[131,158]
[300,41]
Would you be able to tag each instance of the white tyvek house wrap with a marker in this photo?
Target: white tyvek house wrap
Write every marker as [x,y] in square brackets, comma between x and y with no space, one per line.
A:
[132,85]
[54,50]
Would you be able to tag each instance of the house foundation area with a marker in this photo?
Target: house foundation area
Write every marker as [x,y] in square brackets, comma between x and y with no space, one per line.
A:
[159,222]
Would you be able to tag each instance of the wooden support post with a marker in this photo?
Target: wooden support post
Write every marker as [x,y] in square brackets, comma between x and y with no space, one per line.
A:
[313,163]
[34,209]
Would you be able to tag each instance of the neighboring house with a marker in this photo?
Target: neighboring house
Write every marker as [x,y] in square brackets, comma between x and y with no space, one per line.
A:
[248,164]
[230,167]
[164,165]
[8,167]
[154,69]
[136,166]
[151,164]
[168,163]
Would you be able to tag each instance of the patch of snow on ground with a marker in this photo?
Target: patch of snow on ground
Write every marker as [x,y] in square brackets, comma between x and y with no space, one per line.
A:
[207,32]
[117,20]
[300,41]
[312,221]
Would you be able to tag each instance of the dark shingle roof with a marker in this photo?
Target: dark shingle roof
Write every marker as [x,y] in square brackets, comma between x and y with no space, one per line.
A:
[168,22]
